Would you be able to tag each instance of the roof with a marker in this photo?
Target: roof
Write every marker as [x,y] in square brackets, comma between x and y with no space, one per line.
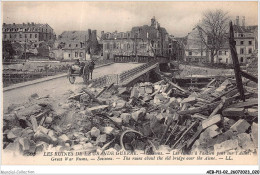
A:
[182,40]
[74,35]
[69,44]
[152,31]
[242,29]
[31,26]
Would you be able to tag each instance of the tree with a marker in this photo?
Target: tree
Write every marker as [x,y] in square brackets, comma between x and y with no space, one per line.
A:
[8,51]
[213,30]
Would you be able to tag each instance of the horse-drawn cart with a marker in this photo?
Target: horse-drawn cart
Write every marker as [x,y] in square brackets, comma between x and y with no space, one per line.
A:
[81,71]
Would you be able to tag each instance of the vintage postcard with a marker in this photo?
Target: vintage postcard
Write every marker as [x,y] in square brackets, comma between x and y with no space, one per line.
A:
[129,83]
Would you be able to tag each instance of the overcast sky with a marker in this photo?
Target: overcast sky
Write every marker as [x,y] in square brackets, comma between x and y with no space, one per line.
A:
[177,17]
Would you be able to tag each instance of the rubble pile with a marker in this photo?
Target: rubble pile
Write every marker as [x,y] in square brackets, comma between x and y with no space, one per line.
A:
[149,117]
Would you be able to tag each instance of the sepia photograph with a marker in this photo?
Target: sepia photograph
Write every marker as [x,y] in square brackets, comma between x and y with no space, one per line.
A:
[129,83]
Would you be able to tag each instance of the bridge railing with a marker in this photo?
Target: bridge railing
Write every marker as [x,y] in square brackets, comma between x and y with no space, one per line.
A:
[120,78]
[132,58]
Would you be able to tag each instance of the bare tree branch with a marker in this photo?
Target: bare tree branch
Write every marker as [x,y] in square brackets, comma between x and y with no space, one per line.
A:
[213,29]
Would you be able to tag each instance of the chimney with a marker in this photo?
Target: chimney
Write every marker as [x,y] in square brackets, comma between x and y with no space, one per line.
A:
[89,33]
[94,33]
[14,24]
[28,23]
[4,24]
[243,21]
[237,21]
[102,33]
[33,23]
[23,24]
[153,22]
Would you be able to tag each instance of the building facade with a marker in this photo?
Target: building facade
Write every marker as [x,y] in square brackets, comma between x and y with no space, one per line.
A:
[30,32]
[176,48]
[72,45]
[141,40]
[245,39]
[195,49]
[246,44]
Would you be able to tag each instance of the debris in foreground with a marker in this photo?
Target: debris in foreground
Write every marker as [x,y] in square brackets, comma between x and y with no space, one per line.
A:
[148,117]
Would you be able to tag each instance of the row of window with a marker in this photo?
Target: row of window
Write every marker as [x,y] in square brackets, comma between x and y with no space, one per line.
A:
[80,54]
[81,45]
[20,36]
[190,53]
[121,46]
[242,42]
[242,51]
[22,29]
[242,59]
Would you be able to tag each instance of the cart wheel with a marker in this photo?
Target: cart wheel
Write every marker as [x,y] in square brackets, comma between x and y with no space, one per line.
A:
[72,79]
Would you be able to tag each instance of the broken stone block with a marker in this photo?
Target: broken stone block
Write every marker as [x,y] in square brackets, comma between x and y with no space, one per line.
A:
[29,111]
[254,134]
[117,147]
[252,112]
[84,98]
[188,100]
[164,149]
[108,130]
[77,147]
[119,104]
[125,117]
[159,98]
[83,139]
[160,116]
[210,132]
[25,143]
[57,128]
[97,109]
[116,113]
[27,133]
[134,92]
[233,112]
[244,140]
[14,148]
[156,127]
[226,146]
[95,132]
[240,126]
[146,130]
[64,138]
[211,121]
[41,136]
[53,136]
[138,114]
[116,120]
[48,120]
[122,91]
[149,89]
[147,98]
[42,129]
[34,123]
[228,123]
[102,138]
[141,91]
[14,133]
